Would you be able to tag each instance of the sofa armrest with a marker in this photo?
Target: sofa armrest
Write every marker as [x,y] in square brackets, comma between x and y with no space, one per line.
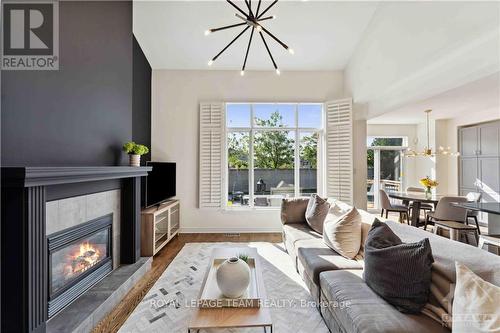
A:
[294,210]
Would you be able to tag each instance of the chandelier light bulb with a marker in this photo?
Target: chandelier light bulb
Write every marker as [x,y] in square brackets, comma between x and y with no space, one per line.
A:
[242,73]
[291,51]
[208,32]
[278,71]
[210,62]
[259,28]
[274,17]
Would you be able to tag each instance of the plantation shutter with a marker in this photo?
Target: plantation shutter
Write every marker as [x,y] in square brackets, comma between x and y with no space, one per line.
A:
[211,154]
[339,150]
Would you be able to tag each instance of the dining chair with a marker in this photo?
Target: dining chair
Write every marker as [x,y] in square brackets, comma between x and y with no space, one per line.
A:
[473,214]
[423,206]
[387,206]
[451,218]
[490,240]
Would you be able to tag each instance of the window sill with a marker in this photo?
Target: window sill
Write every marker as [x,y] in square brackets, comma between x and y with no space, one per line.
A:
[251,209]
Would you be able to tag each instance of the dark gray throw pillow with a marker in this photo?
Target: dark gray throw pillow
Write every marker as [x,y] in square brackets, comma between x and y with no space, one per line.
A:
[316,212]
[398,272]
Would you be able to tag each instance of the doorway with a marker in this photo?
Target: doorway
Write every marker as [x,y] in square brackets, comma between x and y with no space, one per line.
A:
[386,167]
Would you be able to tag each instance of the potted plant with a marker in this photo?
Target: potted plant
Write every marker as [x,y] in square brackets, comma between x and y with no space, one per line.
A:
[134,152]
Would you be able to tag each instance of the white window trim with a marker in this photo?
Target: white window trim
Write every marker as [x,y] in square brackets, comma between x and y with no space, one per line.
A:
[251,130]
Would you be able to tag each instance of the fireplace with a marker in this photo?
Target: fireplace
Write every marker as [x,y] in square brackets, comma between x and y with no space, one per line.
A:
[79,257]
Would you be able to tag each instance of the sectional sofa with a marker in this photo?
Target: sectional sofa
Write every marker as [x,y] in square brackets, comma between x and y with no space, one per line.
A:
[346,303]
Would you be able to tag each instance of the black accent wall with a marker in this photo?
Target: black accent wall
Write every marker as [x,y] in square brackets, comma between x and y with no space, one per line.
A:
[141,99]
[99,98]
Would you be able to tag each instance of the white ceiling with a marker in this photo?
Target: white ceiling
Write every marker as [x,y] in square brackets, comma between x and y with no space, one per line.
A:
[323,34]
[412,51]
[467,100]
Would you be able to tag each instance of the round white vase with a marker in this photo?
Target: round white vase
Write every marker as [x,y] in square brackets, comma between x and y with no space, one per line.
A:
[233,277]
[135,160]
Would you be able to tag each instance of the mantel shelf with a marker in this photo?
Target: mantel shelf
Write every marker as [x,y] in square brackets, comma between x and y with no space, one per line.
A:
[43,176]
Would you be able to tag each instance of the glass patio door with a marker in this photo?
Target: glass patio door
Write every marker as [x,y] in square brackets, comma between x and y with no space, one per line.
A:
[385,168]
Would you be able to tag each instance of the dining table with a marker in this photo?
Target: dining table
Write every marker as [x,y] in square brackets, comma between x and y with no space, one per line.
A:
[417,198]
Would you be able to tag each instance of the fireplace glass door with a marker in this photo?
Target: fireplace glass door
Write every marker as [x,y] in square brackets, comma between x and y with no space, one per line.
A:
[71,261]
[79,257]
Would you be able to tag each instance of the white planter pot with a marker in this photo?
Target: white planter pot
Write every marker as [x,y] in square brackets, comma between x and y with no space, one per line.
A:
[135,160]
[233,277]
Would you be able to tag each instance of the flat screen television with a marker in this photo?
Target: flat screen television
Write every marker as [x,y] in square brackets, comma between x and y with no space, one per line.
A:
[160,183]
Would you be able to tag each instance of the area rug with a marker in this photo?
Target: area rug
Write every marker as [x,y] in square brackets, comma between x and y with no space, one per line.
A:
[167,307]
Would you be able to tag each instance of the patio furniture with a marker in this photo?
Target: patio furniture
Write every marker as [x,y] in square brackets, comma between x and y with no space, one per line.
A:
[387,206]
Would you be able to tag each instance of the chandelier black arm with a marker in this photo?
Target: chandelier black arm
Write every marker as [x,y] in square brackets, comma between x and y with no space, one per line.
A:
[268,51]
[274,2]
[237,8]
[227,27]
[258,7]
[266,18]
[248,49]
[228,45]
[249,6]
[275,38]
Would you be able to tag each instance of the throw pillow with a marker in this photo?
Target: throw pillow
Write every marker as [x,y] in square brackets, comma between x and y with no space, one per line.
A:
[293,210]
[476,303]
[398,272]
[343,234]
[316,211]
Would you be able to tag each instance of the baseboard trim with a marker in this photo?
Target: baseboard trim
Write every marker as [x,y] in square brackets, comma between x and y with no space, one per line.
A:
[229,230]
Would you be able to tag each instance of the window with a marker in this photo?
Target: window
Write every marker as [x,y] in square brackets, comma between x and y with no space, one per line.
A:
[272,152]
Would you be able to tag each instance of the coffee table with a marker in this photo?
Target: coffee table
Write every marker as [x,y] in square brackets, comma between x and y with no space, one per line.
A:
[222,318]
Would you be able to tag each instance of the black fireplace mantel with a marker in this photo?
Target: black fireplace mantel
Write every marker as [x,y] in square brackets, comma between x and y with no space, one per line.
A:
[43,176]
[24,243]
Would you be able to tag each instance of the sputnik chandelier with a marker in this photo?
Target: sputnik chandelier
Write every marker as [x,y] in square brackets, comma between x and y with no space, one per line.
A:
[251,20]
[427,151]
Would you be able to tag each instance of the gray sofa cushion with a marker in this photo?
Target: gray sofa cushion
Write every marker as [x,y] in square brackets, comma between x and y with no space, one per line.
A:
[398,272]
[316,257]
[299,231]
[364,310]
[295,232]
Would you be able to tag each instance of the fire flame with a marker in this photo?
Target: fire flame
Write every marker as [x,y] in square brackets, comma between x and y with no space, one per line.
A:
[81,260]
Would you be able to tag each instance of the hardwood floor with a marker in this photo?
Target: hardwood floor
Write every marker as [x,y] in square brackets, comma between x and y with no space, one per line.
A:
[115,319]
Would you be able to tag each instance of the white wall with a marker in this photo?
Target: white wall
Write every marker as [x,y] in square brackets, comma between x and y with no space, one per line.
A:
[176,98]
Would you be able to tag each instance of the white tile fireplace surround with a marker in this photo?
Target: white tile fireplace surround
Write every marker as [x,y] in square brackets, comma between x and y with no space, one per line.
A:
[69,212]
